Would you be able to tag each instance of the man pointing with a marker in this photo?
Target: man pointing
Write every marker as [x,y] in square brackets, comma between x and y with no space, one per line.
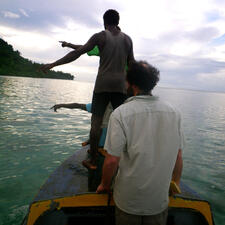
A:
[116,51]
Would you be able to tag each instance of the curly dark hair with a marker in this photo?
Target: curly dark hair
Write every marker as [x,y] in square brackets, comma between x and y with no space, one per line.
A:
[143,75]
[111,17]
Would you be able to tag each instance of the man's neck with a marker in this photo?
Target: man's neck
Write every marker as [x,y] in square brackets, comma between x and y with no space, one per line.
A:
[140,92]
[113,29]
[137,91]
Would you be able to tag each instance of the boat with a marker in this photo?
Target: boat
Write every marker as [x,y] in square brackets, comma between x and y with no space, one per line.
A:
[66,199]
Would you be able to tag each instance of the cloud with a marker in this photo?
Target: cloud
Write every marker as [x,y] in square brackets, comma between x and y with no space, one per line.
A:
[44,14]
[42,48]
[213,15]
[194,73]
[218,76]
[11,15]
[200,42]
[185,39]
[188,72]
[24,12]
[215,81]
[202,34]
[219,40]
[24,40]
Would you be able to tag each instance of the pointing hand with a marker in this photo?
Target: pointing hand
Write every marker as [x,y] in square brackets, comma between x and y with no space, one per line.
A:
[46,67]
[55,107]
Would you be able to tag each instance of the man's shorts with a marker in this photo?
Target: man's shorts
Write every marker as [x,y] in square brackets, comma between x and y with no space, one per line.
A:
[101,100]
[123,218]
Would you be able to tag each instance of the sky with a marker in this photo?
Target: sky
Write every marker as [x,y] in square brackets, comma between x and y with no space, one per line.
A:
[184,39]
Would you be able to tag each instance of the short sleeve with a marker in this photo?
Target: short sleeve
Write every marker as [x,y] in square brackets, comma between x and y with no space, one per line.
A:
[181,134]
[115,139]
[88,107]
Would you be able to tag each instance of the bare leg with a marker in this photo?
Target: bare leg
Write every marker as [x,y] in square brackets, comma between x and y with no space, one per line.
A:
[95,133]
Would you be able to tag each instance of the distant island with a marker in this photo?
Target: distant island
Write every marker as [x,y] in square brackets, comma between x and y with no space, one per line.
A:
[13,64]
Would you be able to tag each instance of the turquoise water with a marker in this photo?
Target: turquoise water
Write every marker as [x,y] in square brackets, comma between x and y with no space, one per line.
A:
[34,140]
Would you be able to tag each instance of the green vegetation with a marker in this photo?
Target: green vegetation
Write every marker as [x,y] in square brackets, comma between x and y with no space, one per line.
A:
[13,64]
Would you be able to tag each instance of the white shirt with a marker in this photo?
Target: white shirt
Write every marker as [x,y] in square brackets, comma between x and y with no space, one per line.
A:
[146,134]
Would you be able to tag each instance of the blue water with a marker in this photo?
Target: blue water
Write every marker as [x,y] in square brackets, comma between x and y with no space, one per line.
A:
[34,140]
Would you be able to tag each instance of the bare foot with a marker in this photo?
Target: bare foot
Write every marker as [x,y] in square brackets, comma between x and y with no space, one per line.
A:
[89,165]
[85,143]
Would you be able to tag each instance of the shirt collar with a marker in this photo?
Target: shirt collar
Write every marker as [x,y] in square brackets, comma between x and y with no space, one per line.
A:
[142,97]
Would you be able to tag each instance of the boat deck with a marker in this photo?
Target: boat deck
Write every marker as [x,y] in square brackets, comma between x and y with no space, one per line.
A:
[71,178]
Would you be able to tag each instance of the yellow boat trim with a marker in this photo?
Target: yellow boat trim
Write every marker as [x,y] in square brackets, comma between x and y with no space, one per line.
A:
[84,200]
[202,206]
[90,200]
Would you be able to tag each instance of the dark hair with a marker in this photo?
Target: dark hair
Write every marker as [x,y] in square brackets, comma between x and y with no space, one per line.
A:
[143,75]
[111,17]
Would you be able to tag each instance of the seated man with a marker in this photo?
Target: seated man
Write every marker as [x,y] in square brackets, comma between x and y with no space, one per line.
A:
[94,175]
[87,107]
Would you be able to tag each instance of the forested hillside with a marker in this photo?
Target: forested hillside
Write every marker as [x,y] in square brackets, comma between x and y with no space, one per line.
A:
[13,64]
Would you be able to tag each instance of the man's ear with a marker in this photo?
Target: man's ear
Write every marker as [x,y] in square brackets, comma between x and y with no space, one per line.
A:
[135,89]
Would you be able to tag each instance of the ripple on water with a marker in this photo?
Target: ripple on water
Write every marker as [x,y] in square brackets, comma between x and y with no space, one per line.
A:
[35,140]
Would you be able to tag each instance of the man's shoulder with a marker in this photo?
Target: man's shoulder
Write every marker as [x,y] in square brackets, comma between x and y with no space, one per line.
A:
[167,107]
[135,107]
[127,37]
[153,103]
[99,34]
[123,110]
[100,38]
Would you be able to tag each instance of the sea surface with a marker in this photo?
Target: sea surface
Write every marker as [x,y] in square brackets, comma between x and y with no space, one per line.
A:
[34,140]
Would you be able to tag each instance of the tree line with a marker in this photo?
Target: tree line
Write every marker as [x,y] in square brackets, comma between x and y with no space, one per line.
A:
[13,64]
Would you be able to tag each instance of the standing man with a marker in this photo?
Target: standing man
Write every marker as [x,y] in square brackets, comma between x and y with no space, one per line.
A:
[116,50]
[144,142]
